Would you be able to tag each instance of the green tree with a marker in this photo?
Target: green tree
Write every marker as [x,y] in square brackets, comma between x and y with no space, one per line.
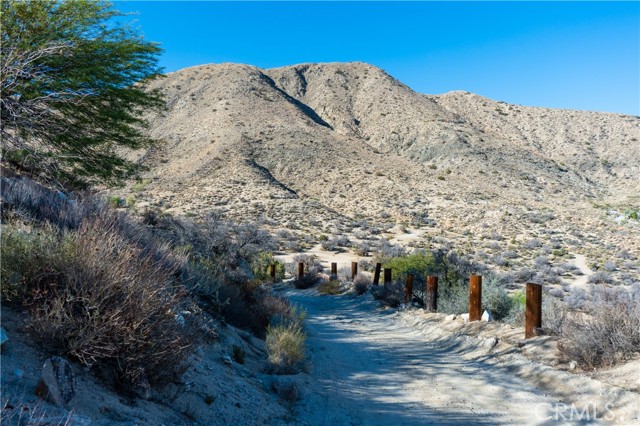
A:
[74,89]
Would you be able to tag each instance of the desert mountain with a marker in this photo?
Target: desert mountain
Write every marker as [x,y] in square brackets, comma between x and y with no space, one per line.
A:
[315,146]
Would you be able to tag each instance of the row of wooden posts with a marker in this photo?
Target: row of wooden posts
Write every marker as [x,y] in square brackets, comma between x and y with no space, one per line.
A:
[533,309]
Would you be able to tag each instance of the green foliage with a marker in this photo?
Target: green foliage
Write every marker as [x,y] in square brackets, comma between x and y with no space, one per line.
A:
[25,254]
[260,267]
[632,214]
[74,88]
[495,298]
[418,264]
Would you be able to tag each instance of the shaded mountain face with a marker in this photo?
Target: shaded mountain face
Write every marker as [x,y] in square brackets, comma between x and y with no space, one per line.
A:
[315,146]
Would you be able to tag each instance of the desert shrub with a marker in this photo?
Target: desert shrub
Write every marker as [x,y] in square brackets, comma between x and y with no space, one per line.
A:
[238,354]
[361,284]
[365,265]
[577,298]
[285,342]
[418,264]
[554,315]
[600,277]
[495,298]
[610,266]
[311,264]
[531,244]
[608,334]
[25,255]
[362,249]
[525,275]
[390,294]
[516,315]
[331,287]
[308,280]
[101,299]
[261,267]
[388,251]
[329,245]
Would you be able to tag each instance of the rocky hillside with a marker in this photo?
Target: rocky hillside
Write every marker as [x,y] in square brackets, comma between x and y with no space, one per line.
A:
[315,146]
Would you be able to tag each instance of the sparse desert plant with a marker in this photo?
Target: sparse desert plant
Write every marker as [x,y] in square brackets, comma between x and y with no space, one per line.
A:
[495,298]
[286,347]
[261,267]
[331,287]
[516,315]
[238,354]
[609,333]
[390,294]
[361,284]
[308,280]
[600,277]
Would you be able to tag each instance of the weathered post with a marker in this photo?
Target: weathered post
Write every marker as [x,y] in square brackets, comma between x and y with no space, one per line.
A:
[272,272]
[431,302]
[300,270]
[408,289]
[354,270]
[475,298]
[387,275]
[376,274]
[334,270]
[533,313]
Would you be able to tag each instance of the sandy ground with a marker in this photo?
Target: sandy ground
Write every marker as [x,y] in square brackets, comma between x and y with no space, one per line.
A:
[383,367]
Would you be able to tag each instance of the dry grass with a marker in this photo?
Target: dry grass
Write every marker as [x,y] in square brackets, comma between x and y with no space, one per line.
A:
[286,343]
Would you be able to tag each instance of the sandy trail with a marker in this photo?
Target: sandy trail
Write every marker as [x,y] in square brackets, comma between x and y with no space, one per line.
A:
[370,368]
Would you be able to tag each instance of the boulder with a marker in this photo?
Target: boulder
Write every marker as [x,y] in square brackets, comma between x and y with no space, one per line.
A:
[465,317]
[486,316]
[450,317]
[57,383]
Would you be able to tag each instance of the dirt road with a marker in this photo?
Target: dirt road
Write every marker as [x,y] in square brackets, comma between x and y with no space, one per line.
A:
[369,367]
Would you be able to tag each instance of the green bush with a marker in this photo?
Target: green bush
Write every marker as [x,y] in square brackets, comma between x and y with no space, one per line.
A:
[260,267]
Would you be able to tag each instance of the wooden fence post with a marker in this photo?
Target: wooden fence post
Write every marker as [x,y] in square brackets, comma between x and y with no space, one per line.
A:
[475,298]
[408,289]
[272,272]
[533,313]
[300,270]
[431,302]
[387,275]
[354,270]
[376,275]
[334,270]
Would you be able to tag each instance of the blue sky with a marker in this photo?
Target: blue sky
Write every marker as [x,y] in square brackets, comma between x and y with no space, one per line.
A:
[577,55]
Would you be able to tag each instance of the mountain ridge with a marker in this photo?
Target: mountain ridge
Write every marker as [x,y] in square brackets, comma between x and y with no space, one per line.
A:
[353,142]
